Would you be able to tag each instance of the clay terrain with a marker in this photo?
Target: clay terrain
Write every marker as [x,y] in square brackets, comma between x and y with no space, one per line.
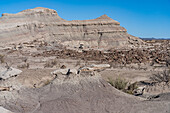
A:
[51,65]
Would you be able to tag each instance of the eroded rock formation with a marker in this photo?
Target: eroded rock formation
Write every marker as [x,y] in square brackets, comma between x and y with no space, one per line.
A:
[102,32]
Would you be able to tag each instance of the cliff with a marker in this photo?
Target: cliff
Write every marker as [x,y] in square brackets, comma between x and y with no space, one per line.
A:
[102,32]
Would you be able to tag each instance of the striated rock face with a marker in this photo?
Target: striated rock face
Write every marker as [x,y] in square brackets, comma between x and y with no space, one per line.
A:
[102,32]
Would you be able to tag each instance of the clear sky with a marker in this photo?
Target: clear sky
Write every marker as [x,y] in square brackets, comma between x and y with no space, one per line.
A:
[142,18]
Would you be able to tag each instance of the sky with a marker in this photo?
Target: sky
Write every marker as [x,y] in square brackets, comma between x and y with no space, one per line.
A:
[141,18]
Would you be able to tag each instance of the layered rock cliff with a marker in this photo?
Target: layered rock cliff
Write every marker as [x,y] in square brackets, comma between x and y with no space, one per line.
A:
[102,32]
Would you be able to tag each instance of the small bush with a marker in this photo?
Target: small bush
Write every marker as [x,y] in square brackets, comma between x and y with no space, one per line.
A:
[23,66]
[161,77]
[78,63]
[24,59]
[47,82]
[51,63]
[123,85]
[118,83]
[2,58]
[167,62]
[131,87]
[63,67]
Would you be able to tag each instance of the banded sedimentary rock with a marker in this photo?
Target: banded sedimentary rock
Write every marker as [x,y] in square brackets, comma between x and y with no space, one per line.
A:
[102,32]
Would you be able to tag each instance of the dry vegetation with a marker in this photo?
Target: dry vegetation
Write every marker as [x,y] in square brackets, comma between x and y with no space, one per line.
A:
[23,66]
[2,58]
[160,77]
[123,85]
[51,63]
[78,63]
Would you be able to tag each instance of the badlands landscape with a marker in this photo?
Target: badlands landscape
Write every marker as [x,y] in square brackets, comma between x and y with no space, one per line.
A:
[51,65]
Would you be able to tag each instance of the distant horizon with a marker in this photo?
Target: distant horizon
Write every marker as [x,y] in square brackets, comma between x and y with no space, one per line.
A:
[154,38]
[140,18]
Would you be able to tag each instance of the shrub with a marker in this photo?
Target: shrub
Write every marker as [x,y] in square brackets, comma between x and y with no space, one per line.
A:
[78,63]
[24,59]
[167,62]
[123,85]
[47,82]
[2,58]
[110,81]
[160,77]
[25,65]
[118,83]
[51,63]
[131,87]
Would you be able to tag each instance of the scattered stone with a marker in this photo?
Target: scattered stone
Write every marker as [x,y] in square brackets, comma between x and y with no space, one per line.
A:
[152,97]
[5,88]
[63,67]
[81,46]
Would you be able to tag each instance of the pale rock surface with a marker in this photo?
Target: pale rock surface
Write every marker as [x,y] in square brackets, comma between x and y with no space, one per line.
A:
[3,110]
[64,71]
[6,73]
[95,67]
[100,66]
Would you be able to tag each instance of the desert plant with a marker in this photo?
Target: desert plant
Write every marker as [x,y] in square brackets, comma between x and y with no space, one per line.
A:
[51,63]
[23,66]
[47,82]
[110,81]
[163,76]
[2,58]
[167,62]
[123,85]
[78,63]
[118,83]
[24,59]
[63,67]
[131,87]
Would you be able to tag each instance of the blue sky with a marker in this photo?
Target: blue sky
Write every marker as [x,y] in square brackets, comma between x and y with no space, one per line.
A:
[142,18]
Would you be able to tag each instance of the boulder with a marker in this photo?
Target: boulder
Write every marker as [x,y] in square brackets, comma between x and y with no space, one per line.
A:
[6,73]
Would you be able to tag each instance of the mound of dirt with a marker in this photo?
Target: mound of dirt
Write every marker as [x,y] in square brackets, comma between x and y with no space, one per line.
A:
[82,93]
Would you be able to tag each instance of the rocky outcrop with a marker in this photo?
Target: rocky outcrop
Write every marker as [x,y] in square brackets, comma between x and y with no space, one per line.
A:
[102,32]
